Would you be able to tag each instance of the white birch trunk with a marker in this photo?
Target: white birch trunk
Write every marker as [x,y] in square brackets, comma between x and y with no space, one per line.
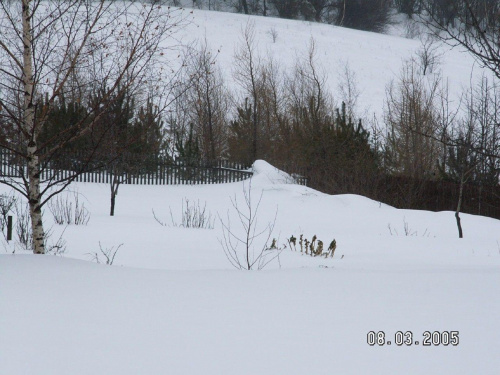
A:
[29,124]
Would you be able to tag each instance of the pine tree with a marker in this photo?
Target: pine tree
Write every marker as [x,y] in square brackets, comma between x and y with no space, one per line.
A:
[188,149]
[241,139]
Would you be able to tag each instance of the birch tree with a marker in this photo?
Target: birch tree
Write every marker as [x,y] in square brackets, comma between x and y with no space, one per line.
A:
[52,49]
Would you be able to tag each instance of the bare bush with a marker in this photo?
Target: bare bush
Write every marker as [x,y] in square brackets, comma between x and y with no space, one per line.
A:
[193,215]
[57,248]
[23,226]
[273,33]
[23,232]
[247,247]
[106,255]
[67,212]
[413,29]
[407,231]
[428,56]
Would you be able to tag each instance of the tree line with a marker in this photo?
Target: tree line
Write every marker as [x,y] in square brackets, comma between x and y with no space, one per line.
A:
[369,15]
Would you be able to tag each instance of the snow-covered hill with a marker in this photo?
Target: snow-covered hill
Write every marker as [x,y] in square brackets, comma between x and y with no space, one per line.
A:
[375,59]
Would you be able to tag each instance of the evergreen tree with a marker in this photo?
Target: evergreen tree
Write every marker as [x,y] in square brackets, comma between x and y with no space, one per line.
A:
[369,15]
[188,149]
[62,122]
[241,135]
[148,135]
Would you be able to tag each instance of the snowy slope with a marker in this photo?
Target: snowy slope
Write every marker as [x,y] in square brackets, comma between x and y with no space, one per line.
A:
[375,59]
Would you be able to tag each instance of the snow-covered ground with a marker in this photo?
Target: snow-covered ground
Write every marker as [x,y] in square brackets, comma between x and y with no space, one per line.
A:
[172,303]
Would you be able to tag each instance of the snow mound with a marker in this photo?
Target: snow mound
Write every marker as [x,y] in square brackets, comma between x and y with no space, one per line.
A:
[266,173]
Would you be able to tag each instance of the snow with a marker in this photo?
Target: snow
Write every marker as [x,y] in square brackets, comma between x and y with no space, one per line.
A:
[172,303]
[112,320]
[266,173]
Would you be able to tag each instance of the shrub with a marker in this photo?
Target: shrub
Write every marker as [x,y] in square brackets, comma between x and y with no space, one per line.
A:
[246,245]
[106,255]
[69,212]
[193,215]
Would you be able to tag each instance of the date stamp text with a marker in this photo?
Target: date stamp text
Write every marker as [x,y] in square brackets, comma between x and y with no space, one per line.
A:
[407,338]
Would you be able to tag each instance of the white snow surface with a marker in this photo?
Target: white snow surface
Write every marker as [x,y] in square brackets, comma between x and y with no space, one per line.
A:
[172,303]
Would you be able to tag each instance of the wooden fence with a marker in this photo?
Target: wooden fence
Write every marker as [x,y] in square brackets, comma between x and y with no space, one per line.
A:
[131,170]
[9,164]
[177,173]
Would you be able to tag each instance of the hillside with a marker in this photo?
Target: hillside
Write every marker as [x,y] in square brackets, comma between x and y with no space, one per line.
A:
[376,59]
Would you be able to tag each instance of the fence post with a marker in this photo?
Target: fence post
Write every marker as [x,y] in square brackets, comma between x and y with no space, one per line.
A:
[9,228]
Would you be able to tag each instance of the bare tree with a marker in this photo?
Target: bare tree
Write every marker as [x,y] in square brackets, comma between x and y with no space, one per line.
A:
[475,29]
[248,247]
[115,45]
[259,123]
[307,90]
[207,102]
[247,75]
[461,161]
[328,144]
[428,56]
[412,122]
[463,154]
[475,153]
[471,142]
[348,89]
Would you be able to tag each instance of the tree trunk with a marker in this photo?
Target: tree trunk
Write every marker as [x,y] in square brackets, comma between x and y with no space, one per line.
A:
[113,199]
[38,233]
[30,128]
[459,225]
[115,183]
[459,205]
[255,122]
[245,6]
[211,137]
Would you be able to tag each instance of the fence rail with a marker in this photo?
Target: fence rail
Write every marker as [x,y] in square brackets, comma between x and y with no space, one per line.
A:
[134,171]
